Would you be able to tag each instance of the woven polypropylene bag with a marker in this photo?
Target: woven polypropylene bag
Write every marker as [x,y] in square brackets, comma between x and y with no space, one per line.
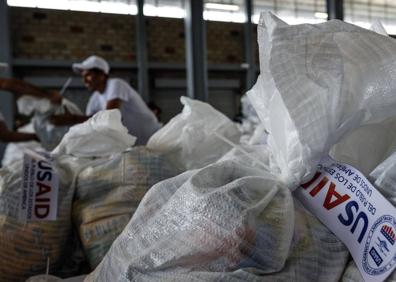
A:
[225,222]
[101,135]
[317,84]
[108,194]
[236,220]
[26,247]
[190,138]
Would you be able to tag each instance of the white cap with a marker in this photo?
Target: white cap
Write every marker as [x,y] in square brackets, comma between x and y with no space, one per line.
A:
[92,62]
[3,65]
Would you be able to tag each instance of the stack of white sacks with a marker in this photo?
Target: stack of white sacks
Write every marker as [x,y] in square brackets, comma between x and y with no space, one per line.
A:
[102,180]
[222,211]
[48,134]
[237,219]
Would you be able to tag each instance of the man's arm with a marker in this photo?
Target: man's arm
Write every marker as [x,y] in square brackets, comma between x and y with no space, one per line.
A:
[24,88]
[113,104]
[67,119]
[13,136]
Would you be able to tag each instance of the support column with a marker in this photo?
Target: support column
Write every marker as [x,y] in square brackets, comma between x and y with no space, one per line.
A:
[249,48]
[6,99]
[141,46]
[196,59]
[335,9]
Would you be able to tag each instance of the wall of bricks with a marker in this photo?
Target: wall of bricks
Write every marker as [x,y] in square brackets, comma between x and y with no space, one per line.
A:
[70,35]
[65,35]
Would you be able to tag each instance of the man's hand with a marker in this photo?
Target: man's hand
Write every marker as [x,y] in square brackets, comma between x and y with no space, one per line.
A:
[67,119]
[55,97]
[62,120]
[21,87]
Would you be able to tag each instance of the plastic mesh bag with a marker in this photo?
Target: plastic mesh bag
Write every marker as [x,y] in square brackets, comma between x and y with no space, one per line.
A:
[317,83]
[225,222]
[249,121]
[368,146]
[352,274]
[236,220]
[205,220]
[189,139]
[108,194]
[384,176]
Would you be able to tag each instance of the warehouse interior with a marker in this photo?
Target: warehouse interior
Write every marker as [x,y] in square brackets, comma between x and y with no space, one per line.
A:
[210,51]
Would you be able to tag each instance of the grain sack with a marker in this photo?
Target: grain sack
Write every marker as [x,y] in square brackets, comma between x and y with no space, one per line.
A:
[249,120]
[26,247]
[108,194]
[236,219]
[189,139]
[368,146]
[384,178]
[225,222]
[101,135]
[346,82]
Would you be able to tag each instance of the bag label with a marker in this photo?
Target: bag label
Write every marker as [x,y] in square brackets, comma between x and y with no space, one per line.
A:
[39,197]
[346,202]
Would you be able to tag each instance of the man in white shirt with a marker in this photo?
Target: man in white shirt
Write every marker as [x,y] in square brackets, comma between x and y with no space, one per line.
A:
[112,93]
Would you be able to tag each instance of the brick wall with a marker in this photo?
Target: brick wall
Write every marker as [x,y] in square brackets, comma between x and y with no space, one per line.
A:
[224,42]
[65,35]
[165,40]
[70,35]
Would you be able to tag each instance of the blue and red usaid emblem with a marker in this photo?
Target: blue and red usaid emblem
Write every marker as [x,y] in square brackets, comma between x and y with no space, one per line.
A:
[380,250]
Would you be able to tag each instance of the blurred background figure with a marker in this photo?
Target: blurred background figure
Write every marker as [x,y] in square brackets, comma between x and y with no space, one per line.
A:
[112,93]
[19,88]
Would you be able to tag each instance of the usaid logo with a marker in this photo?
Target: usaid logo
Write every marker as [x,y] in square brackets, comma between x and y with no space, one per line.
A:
[380,250]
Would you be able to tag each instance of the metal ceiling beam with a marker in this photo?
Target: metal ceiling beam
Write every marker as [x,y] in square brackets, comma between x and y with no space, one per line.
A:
[196,59]
[6,99]
[141,46]
[249,47]
[335,9]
